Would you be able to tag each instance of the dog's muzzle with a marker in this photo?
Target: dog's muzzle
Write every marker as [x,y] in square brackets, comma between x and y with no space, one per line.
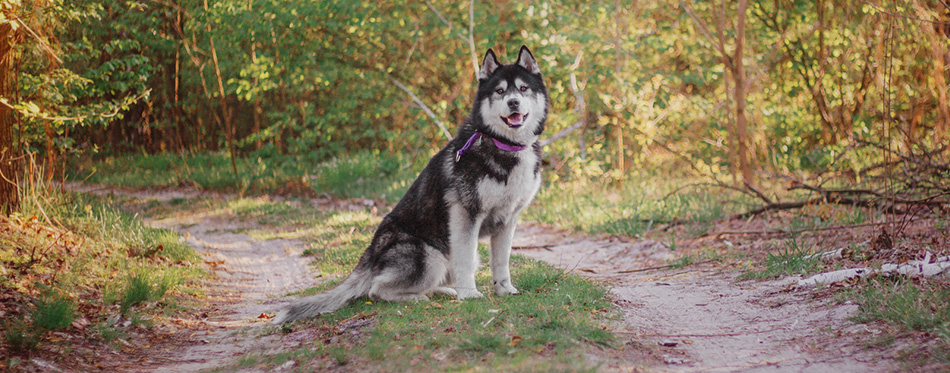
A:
[515,120]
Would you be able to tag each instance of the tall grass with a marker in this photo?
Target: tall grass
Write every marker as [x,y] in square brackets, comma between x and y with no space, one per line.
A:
[67,255]
[645,202]
[363,174]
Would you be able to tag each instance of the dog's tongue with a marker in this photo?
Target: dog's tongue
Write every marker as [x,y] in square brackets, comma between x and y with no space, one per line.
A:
[514,119]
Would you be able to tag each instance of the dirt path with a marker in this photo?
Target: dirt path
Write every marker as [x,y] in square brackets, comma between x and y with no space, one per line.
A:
[698,318]
[250,277]
[701,319]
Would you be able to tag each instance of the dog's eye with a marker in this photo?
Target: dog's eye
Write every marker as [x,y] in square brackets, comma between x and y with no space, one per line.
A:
[499,91]
[524,88]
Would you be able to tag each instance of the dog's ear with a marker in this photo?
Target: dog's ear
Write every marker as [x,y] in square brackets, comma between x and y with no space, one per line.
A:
[489,65]
[527,61]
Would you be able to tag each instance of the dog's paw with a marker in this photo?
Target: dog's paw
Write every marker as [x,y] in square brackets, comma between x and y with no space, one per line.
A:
[468,293]
[505,288]
[446,291]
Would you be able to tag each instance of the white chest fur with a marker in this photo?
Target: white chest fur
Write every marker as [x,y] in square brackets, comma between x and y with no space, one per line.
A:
[506,198]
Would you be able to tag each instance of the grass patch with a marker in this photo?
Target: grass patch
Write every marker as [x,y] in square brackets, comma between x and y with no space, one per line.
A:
[791,259]
[141,288]
[643,204]
[68,256]
[909,306]
[53,310]
[557,314]
[358,175]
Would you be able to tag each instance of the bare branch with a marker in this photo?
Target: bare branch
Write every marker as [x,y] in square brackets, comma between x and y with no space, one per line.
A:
[580,108]
[470,38]
[419,102]
[705,30]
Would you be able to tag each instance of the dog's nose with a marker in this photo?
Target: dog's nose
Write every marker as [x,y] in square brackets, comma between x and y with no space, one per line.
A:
[513,103]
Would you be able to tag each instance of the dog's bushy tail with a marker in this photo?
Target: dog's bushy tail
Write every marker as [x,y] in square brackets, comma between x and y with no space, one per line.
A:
[355,286]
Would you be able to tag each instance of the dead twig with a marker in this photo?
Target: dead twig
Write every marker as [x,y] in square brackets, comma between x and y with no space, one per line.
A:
[803,230]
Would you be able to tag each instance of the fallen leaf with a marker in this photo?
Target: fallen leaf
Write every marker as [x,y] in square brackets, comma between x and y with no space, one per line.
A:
[515,340]
[265,316]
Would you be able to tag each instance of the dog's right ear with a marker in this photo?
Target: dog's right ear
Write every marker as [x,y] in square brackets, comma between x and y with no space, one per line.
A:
[489,65]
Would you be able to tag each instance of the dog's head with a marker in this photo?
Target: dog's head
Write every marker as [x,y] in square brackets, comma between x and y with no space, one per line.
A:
[512,99]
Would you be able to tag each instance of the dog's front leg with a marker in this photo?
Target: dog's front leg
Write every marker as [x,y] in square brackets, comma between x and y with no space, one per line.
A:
[500,257]
[463,260]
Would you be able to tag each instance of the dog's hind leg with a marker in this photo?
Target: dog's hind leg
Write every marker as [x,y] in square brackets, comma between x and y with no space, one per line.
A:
[500,258]
[412,280]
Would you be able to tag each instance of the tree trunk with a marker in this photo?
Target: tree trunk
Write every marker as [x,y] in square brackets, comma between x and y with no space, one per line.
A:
[742,130]
[9,168]
[618,128]
[223,100]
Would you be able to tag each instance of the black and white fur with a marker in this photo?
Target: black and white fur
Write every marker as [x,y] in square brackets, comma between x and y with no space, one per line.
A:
[428,243]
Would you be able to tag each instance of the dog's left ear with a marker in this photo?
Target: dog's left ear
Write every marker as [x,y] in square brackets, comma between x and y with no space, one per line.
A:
[527,61]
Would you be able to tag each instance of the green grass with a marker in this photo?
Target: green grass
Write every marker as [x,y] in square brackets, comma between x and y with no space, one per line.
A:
[793,258]
[557,314]
[645,202]
[53,310]
[359,175]
[20,334]
[67,256]
[140,288]
[908,306]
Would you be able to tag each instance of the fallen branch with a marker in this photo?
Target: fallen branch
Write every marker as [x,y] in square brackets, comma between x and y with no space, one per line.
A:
[797,231]
[912,268]
[887,208]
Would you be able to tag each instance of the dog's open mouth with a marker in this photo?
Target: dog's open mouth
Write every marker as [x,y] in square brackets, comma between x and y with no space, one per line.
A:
[515,120]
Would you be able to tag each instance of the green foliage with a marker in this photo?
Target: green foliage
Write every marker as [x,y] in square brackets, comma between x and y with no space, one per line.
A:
[140,288]
[792,259]
[902,303]
[53,310]
[315,80]
[20,335]
[909,306]
[357,175]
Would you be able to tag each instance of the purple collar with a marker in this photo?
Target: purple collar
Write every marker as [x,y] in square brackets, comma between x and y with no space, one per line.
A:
[499,144]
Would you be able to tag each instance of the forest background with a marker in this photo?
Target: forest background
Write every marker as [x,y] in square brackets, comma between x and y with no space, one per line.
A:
[733,92]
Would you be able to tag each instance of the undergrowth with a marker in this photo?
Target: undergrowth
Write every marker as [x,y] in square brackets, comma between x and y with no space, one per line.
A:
[70,258]
[358,175]
[792,257]
[909,306]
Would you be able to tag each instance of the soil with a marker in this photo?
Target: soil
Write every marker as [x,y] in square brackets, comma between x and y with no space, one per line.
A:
[701,318]
[695,318]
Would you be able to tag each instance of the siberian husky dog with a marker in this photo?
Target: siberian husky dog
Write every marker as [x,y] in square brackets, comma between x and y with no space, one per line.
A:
[473,188]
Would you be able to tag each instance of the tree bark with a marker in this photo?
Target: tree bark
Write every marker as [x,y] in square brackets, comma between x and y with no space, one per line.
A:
[9,166]
[223,100]
[742,131]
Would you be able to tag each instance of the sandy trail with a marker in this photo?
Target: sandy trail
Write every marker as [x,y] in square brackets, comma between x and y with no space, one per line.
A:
[250,277]
[698,318]
[701,319]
